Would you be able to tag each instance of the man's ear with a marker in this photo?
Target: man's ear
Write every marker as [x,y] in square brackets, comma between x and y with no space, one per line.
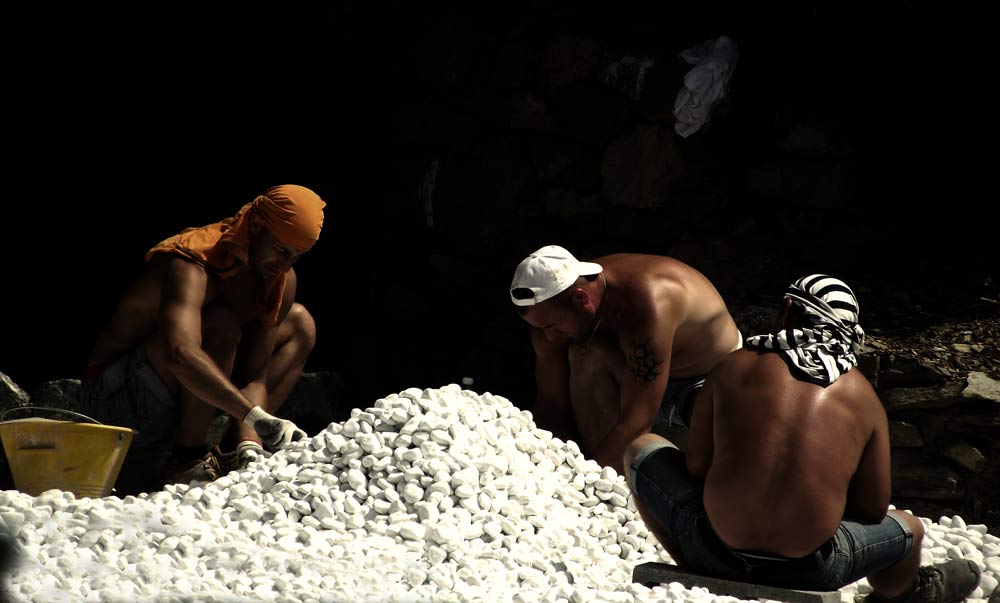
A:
[785,314]
[579,297]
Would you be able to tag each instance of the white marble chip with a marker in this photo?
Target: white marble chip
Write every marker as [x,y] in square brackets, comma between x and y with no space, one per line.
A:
[430,495]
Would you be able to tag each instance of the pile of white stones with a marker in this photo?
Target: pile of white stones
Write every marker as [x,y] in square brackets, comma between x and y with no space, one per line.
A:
[429,495]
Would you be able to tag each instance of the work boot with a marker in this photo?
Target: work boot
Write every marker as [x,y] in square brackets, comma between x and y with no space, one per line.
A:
[204,469]
[246,452]
[948,582]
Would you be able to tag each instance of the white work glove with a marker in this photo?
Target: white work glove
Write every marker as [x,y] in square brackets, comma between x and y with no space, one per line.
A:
[276,433]
[249,451]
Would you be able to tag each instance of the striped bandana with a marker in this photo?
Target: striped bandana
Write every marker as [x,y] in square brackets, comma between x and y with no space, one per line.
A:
[826,348]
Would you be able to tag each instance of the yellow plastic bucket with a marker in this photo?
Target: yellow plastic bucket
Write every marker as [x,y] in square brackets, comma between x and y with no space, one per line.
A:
[82,458]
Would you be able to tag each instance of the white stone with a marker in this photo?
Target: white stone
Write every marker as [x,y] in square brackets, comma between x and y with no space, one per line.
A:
[356,479]
[473,503]
[988,583]
[412,530]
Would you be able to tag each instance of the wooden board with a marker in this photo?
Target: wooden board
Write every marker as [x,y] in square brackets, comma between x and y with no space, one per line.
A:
[662,573]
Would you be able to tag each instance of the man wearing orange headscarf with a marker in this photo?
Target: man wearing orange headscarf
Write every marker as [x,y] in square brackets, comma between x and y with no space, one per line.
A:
[210,324]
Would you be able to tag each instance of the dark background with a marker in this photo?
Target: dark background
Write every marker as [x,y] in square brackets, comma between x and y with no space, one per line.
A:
[123,127]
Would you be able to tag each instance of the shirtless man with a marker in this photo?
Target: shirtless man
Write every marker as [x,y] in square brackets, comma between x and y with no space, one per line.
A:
[785,480]
[210,324]
[619,343]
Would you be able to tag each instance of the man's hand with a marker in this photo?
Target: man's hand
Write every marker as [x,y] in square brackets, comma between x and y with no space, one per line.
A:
[276,433]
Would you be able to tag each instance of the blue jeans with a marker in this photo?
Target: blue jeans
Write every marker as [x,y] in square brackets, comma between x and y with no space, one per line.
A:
[659,478]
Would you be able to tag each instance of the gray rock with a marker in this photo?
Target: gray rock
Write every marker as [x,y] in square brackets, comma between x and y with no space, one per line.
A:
[904,435]
[916,476]
[905,398]
[984,425]
[11,395]
[869,363]
[967,456]
[910,372]
[930,423]
[60,393]
[982,387]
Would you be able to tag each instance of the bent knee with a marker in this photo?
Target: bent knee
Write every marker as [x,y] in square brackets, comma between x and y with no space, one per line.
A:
[915,526]
[636,446]
[602,351]
[300,325]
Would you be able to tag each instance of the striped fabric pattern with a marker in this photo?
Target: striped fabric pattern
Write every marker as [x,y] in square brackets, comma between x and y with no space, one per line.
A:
[826,348]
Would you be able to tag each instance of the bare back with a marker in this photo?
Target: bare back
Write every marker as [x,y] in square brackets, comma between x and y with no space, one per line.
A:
[784,453]
[651,286]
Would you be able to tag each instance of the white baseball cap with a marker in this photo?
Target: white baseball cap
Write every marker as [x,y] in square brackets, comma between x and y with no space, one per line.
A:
[547,273]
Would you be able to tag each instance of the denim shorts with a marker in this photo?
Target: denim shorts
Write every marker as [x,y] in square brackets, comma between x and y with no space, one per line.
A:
[128,393]
[659,478]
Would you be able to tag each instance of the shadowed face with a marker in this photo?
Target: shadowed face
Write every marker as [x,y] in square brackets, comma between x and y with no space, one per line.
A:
[269,256]
[559,319]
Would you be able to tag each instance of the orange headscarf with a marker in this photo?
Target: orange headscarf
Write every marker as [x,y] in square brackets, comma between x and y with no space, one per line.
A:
[292,213]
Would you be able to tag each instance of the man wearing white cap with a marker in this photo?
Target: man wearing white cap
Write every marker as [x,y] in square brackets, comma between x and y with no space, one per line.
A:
[620,343]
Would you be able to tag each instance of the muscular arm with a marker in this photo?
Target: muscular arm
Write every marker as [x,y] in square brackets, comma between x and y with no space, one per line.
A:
[182,297]
[552,409]
[647,358]
[258,349]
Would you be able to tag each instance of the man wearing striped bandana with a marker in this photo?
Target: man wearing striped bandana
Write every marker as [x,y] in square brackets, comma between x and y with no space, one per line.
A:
[785,480]
[825,346]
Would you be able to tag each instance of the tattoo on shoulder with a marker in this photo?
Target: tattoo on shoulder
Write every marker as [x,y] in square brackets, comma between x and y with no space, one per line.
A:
[644,363]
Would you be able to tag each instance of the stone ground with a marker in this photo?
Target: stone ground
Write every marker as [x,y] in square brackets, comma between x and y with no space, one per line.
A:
[955,344]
